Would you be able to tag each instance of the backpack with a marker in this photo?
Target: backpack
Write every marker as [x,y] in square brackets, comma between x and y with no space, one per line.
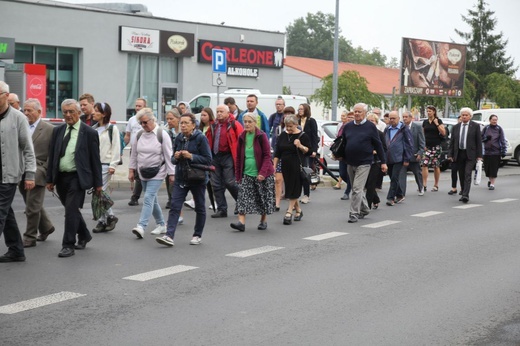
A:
[121,141]
[159,135]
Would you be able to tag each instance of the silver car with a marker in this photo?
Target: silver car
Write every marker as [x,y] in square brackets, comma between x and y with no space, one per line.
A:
[327,131]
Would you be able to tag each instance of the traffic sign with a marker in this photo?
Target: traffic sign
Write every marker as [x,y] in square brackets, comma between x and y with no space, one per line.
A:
[219,79]
[219,60]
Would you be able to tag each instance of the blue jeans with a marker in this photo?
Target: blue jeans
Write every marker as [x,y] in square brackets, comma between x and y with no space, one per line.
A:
[151,203]
[223,178]
[344,175]
[8,225]
[178,196]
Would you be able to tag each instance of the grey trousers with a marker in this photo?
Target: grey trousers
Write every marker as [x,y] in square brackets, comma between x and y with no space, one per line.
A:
[358,177]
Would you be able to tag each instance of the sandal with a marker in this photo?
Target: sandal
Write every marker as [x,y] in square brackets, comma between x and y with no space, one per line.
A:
[298,216]
[287,219]
[435,188]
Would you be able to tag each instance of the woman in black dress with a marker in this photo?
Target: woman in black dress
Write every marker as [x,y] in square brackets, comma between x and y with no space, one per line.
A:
[310,127]
[292,148]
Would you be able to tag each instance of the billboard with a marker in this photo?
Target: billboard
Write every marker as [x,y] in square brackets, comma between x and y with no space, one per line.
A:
[431,68]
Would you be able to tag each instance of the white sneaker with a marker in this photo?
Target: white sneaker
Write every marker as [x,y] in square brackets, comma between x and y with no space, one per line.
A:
[181,221]
[421,192]
[159,229]
[165,240]
[305,199]
[196,240]
[190,204]
[138,231]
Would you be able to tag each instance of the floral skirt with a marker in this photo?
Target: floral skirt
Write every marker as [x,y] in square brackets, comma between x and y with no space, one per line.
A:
[432,157]
[256,197]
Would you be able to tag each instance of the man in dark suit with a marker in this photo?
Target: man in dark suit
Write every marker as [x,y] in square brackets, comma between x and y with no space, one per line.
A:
[418,149]
[37,218]
[74,167]
[465,149]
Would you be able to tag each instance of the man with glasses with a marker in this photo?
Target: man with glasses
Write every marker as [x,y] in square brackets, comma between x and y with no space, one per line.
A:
[16,158]
[275,119]
[74,167]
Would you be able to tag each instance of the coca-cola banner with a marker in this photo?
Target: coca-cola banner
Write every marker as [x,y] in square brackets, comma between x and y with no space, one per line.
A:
[431,68]
[36,84]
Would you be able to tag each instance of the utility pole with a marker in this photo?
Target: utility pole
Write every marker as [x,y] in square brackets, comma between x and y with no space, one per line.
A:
[335,67]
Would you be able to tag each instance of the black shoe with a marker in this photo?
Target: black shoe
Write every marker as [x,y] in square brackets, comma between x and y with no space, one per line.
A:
[66,252]
[82,244]
[452,192]
[111,223]
[239,226]
[43,236]
[12,257]
[100,227]
[345,197]
[287,219]
[276,208]
[133,201]
[219,214]
[489,183]
[298,216]
[262,226]
[464,199]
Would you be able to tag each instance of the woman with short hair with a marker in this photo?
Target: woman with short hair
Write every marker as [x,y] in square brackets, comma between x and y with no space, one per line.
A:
[254,173]
[494,143]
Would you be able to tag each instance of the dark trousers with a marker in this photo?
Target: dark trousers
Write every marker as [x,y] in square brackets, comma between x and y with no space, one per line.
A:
[397,173]
[72,197]
[454,168]
[223,178]
[8,225]
[415,168]
[465,166]
[344,175]
[178,197]
[372,184]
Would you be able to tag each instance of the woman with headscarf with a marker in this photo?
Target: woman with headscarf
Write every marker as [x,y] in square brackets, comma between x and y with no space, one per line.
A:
[150,158]
[254,173]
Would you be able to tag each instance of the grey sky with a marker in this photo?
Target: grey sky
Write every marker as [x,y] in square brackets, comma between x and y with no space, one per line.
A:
[369,23]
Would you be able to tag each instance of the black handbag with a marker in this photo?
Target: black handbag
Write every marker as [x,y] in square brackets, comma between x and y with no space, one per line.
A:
[337,148]
[192,174]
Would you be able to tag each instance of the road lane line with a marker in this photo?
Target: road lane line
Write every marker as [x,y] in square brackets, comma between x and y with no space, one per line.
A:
[326,236]
[428,213]
[39,302]
[504,200]
[253,252]
[381,224]
[154,274]
[468,206]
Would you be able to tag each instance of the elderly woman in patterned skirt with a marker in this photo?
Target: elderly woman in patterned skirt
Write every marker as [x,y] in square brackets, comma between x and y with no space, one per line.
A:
[254,172]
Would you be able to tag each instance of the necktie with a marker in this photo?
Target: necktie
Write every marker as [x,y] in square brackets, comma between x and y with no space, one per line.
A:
[66,140]
[462,137]
[217,140]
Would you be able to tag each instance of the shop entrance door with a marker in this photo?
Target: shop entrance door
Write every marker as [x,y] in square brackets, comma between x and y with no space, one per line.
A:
[169,100]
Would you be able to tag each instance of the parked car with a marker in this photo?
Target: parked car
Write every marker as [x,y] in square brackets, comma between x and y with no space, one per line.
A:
[327,133]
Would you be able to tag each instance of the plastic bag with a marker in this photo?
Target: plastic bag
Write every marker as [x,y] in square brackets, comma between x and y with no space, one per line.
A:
[478,173]
[100,204]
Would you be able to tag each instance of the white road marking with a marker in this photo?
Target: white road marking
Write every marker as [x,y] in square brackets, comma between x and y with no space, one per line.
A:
[505,200]
[154,274]
[381,224]
[39,302]
[468,206]
[253,252]
[428,213]
[326,236]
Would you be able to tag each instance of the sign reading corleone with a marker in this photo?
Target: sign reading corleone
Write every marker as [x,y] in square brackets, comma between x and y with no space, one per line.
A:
[243,54]
[430,68]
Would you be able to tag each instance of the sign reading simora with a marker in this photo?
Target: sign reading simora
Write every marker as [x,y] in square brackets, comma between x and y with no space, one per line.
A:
[243,54]
[430,68]
[139,40]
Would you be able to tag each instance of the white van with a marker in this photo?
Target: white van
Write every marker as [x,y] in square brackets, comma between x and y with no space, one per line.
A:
[265,101]
[509,120]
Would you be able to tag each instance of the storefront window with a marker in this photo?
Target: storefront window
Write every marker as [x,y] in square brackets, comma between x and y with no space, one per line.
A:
[169,70]
[150,80]
[62,82]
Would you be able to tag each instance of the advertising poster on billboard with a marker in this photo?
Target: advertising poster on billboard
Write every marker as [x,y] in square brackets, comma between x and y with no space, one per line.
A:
[431,68]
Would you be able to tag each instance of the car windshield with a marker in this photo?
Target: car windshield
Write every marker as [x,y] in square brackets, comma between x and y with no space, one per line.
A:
[330,130]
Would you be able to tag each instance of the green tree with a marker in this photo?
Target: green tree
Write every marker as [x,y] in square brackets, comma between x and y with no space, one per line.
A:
[486,51]
[352,89]
[313,37]
[503,89]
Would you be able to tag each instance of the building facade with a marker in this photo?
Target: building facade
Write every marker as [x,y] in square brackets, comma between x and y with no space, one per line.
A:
[118,56]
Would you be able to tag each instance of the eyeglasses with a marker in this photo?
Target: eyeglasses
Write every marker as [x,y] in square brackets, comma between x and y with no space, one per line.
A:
[66,111]
[144,122]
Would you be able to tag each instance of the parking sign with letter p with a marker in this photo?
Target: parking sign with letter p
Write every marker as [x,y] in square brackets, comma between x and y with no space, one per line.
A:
[219,60]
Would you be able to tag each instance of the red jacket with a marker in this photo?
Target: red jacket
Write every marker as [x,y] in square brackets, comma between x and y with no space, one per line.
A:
[234,129]
[262,151]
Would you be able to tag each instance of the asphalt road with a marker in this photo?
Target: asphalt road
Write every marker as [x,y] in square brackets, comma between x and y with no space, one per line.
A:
[429,271]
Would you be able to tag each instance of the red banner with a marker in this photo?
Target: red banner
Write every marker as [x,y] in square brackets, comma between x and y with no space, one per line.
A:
[36,84]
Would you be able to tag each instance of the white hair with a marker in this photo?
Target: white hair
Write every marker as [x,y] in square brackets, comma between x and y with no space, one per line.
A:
[4,87]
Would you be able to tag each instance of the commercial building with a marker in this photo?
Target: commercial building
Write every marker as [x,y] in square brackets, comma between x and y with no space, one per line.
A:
[124,53]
